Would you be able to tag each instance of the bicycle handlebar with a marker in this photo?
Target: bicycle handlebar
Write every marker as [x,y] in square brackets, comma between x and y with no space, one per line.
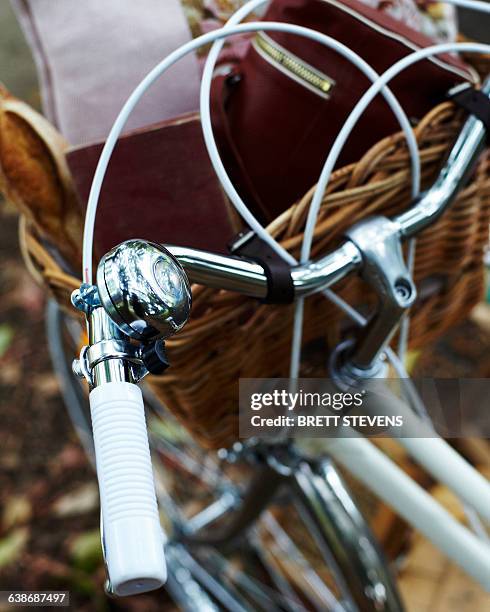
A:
[249,277]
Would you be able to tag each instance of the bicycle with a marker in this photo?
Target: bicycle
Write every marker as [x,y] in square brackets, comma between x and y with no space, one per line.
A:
[118,310]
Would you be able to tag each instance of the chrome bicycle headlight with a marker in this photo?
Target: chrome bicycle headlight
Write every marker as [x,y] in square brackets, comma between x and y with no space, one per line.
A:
[144,290]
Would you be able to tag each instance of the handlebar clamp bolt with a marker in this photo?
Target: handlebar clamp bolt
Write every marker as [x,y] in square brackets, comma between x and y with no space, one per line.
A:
[77,368]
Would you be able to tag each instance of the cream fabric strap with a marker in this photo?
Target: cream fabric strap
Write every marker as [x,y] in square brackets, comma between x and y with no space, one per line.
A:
[90,55]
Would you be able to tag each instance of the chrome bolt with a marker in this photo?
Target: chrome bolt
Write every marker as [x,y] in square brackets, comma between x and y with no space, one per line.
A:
[77,368]
[86,297]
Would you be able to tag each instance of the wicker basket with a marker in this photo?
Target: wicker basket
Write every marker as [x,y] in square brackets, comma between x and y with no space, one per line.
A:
[230,336]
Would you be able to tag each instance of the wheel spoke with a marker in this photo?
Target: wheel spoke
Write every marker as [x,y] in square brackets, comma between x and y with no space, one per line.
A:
[285,547]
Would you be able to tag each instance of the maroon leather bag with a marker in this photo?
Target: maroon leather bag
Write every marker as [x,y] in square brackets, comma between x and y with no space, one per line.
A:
[280,110]
[160,185]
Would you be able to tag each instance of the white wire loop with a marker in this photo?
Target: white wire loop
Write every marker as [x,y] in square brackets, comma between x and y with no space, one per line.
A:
[474,5]
[205,96]
[157,71]
[336,149]
[210,141]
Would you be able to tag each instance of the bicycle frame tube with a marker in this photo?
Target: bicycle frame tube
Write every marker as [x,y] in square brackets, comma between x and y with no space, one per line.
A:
[249,278]
[391,484]
[431,451]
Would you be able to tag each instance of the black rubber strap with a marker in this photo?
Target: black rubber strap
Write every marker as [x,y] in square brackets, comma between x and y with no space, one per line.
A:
[280,286]
[474,102]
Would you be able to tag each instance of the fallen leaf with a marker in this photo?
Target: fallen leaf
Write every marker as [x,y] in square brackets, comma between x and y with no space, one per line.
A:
[80,501]
[6,336]
[42,566]
[23,293]
[17,510]
[46,385]
[86,550]
[12,545]
[11,372]
[71,457]
[481,315]
[38,490]
[10,460]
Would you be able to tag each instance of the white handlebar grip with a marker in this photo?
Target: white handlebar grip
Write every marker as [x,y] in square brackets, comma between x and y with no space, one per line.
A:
[133,537]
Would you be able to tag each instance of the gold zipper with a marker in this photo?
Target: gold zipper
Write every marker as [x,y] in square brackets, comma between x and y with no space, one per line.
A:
[296,67]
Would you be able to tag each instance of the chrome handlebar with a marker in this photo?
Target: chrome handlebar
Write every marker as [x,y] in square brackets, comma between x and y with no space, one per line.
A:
[456,171]
[249,278]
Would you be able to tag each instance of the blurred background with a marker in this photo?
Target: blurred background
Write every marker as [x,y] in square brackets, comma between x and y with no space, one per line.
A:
[49,520]
[48,493]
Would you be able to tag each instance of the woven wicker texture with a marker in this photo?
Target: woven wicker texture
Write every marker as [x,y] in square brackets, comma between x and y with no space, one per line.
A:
[230,337]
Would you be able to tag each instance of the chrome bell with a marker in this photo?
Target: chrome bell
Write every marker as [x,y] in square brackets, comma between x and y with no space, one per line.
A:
[144,290]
